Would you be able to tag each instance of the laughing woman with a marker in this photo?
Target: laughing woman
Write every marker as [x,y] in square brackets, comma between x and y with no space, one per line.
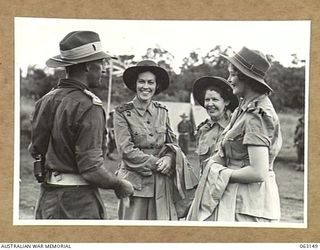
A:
[147,147]
[239,184]
[215,95]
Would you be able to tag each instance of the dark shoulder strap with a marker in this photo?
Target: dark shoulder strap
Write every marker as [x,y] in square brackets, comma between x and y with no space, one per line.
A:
[124,107]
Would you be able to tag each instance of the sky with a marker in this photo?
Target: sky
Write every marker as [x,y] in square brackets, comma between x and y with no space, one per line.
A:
[37,39]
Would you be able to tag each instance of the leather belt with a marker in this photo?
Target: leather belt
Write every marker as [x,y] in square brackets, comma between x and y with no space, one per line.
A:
[185,133]
[65,179]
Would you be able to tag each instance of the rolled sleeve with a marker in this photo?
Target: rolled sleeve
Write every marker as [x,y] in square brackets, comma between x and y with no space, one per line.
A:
[90,140]
[257,129]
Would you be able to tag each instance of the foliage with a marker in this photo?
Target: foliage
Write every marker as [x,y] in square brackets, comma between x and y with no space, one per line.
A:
[287,82]
[288,85]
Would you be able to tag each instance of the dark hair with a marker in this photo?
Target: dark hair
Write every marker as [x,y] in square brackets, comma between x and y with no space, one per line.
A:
[251,83]
[219,90]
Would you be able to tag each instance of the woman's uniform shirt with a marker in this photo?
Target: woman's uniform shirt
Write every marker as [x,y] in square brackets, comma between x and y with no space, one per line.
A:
[255,124]
[208,135]
[140,134]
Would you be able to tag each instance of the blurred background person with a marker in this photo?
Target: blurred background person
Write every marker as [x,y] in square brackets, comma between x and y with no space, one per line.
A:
[185,129]
[299,143]
[215,95]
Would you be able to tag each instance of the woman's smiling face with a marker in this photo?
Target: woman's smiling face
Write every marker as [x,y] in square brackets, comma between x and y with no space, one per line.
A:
[214,104]
[146,86]
[238,87]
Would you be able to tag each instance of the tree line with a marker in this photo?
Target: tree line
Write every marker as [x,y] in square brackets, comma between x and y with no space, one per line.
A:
[288,83]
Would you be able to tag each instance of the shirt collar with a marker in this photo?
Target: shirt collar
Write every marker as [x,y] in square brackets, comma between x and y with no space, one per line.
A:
[140,109]
[70,83]
[223,122]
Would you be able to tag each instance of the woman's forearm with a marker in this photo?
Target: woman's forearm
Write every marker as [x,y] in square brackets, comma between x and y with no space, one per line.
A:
[257,170]
[247,174]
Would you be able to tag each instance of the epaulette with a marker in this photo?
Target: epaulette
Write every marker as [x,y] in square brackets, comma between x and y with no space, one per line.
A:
[201,124]
[159,105]
[95,99]
[254,108]
[124,107]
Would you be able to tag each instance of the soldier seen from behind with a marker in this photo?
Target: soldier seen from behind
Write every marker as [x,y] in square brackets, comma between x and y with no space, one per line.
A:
[68,137]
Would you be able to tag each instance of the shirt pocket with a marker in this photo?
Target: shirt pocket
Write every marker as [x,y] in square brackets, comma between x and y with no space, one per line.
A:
[234,147]
[160,135]
[139,137]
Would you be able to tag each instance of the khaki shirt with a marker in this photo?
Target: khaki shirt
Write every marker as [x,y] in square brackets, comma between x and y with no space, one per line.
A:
[208,135]
[140,134]
[68,126]
[254,124]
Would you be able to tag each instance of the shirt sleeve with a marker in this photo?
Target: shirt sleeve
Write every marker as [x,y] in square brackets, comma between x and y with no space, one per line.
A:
[41,124]
[170,136]
[258,129]
[131,155]
[90,139]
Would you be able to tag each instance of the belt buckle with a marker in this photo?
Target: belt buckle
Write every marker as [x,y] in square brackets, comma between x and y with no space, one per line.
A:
[57,176]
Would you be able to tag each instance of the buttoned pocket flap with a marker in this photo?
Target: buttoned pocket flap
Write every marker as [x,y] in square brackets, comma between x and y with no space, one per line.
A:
[161,129]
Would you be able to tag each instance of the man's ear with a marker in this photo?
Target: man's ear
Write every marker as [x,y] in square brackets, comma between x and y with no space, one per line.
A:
[87,66]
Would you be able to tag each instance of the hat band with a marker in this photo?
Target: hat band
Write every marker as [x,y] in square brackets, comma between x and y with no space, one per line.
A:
[82,51]
[249,66]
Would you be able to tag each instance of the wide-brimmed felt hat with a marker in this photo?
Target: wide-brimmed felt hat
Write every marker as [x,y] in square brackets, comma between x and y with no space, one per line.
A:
[130,75]
[78,47]
[252,63]
[203,83]
[184,115]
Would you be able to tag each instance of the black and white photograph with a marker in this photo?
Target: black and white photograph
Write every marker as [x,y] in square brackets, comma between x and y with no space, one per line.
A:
[161,122]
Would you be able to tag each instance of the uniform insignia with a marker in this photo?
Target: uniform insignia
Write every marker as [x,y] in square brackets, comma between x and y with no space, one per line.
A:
[124,107]
[262,112]
[159,105]
[95,99]
[201,124]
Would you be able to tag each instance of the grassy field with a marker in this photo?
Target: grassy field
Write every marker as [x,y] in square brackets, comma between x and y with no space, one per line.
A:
[290,182]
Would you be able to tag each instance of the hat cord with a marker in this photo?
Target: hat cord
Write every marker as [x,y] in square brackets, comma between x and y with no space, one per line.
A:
[249,66]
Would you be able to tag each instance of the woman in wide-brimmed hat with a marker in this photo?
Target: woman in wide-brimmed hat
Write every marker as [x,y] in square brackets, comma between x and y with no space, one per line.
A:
[146,144]
[240,175]
[215,95]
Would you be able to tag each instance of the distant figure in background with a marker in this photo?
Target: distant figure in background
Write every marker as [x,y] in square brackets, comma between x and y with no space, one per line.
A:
[184,130]
[111,138]
[215,95]
[299,143]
